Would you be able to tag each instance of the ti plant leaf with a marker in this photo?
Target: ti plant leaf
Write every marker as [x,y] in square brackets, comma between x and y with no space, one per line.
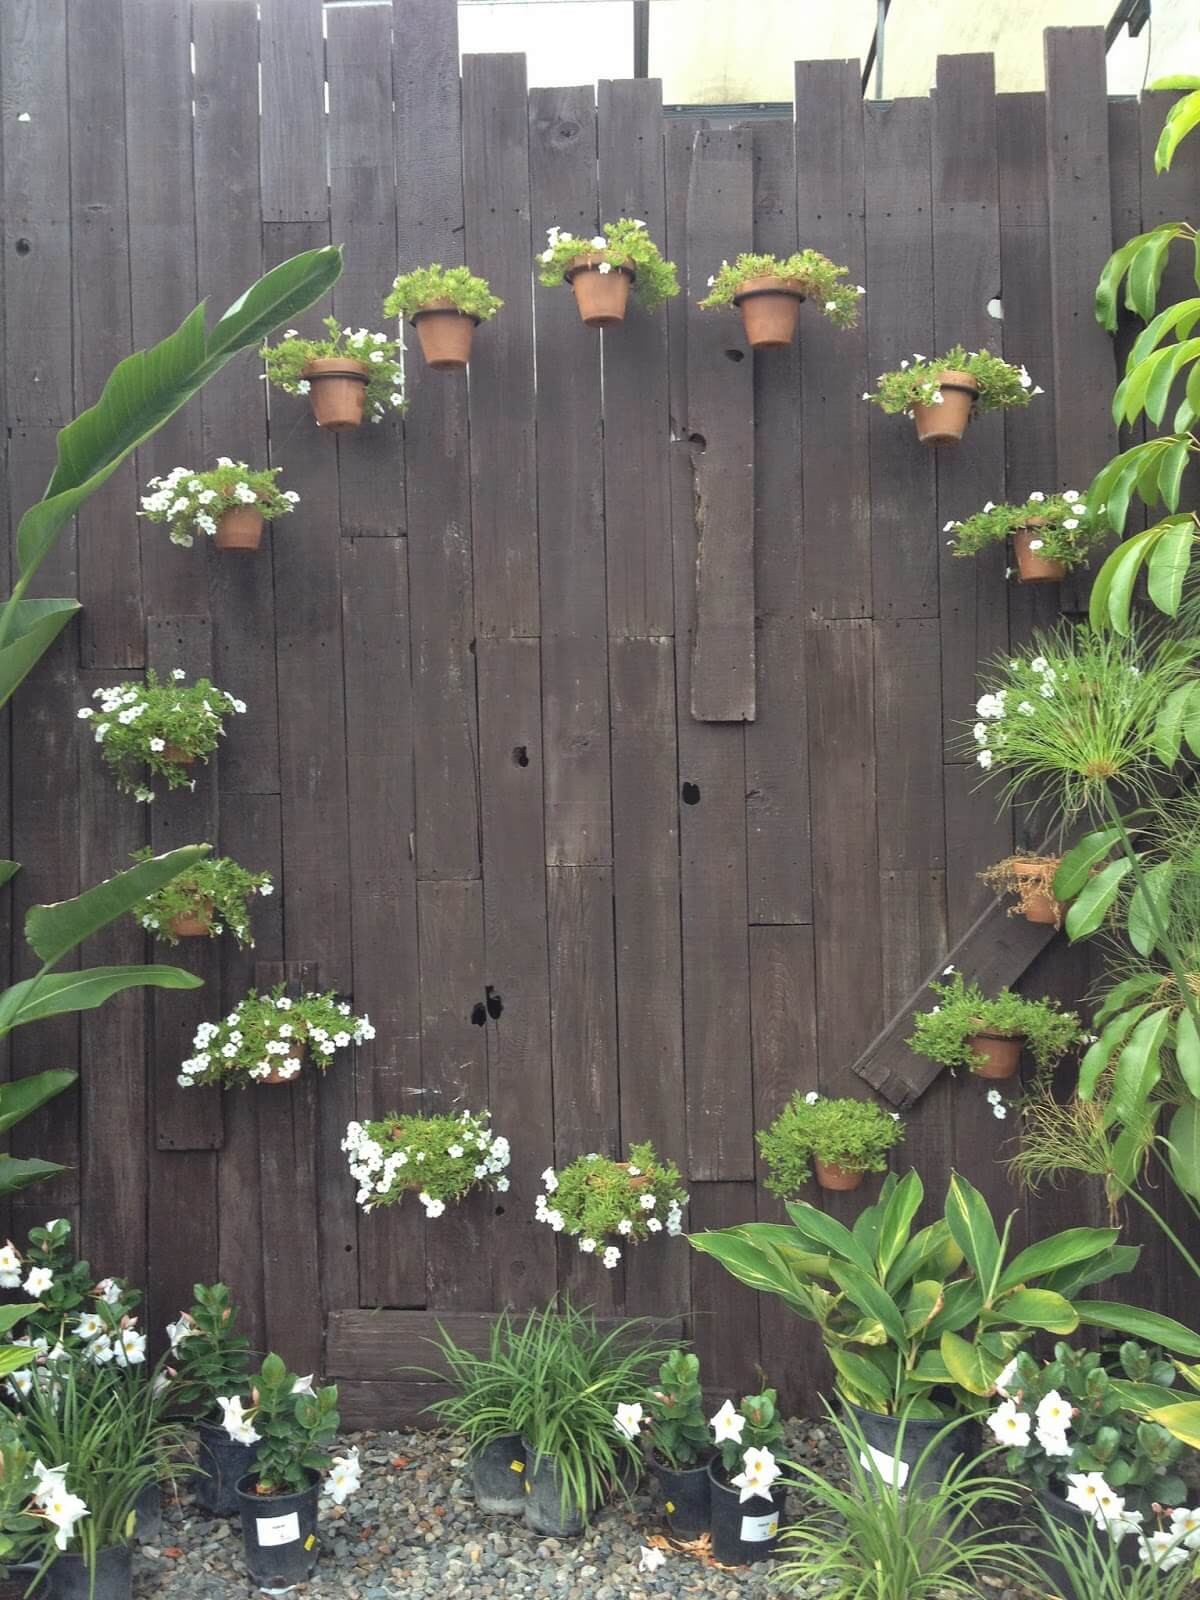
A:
[1183,116]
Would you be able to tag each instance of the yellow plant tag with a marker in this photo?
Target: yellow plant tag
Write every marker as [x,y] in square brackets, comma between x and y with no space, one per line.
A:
[670,1507]
[528,1487]
[310,1541]
[516,1466]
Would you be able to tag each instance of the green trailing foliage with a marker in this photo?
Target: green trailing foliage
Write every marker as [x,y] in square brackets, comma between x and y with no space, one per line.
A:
[915,382]
[413,291]
[1060,522]
[190,502]
[963,1012]
[158,728]
[814,275]
[853,1134]
[214,890]
[381,358]
[624,243]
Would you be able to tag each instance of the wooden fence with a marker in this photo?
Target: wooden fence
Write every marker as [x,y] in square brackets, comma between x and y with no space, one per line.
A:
[623,843]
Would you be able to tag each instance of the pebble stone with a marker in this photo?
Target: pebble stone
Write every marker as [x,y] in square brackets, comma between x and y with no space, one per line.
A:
[412,1532]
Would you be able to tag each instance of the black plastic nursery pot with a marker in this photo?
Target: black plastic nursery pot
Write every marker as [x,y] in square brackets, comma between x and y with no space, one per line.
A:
[221,1463]
[686,1494]
[882,1435]
[498,1476]
[70,1579]
[147,1514]
[743,1531]
[279,1532]
[545,1510]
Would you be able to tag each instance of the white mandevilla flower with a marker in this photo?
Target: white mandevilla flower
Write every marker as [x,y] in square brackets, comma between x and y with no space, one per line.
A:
[760,1472]
[651,1559]
[1163,1549]
[727,1424]
[345,1476]
[1088,1490]
[304,1385]
[1004,1381]
[129,1349]
[10,1266]
[39,1281]
[234,1420]
[1009,1425]
[628,1419]
[1186,1524]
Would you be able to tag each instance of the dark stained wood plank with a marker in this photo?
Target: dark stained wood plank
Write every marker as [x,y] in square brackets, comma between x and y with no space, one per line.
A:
[294,184]
[908,745]
[233,412]
[570,495]
[383,889]
[455,1064]
[912,909]
[36,213]
[181,1202]
[830,210]
[292,1196]
[778,845]
[646,903]
[503,469]
[185,1119]
[162,253]
[899,316]
[637,421]
[583,1032]
[515,952]
[111,628]
[966,276]
[979,832]
[425,83]
[379,1403]
[362,199]
[1081,239]
[720,426]
[725,1313]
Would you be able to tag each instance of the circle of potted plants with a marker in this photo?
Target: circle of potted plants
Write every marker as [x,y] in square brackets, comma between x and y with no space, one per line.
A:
[843,1139]
[943,394]
[440,1158]
[445,305]
[266,1038]
[350,374]
[596,1198]
[166,727]
[987,1034]
[1050,533]
[769,291]
[209,898]
[602,270]
[228,504]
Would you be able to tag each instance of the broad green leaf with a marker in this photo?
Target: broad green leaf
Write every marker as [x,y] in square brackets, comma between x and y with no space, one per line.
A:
[12,1358]
[52,931]
[1075,868]
[1148,907]
[1048,1255]
[870,1298]
[1169,561]
[1146,270]
[1119,997]
[1170,476]
[896,1221]
[1139,1066]
[19,1173]
[970,1221]
[826,1234]
[1088,911]
[1126,564]
[1187,1051]
[61,992]
[1168,725]
[961,1304]
[1038,1308]
[1070,1282]
[20,1097]
[1148,1327]
[1183,1145]
[1098,1055]
[923,1304]
[860,1380]
[1182,1421]
[1115,268]
[8,869]
[33,626]
[750,1264]
[1181,119]
[11,1315]
[969,1366]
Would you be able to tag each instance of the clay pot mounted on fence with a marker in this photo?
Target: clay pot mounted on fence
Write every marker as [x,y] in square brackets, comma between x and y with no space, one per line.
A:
[600,295]
[240,529]
[337,390]
[193,924]
[445,335]
[1035,904]
[996,1055]
[1032,567]
[837,1179]
[945,423]
[770,310]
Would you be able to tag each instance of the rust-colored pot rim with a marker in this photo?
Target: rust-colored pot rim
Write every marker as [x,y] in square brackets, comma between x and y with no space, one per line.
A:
[336,367]
[752,288]
[950,379]
[441,308]
[591,262]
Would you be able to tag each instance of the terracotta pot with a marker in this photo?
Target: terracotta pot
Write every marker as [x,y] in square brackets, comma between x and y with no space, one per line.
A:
[1033,567]
[193,924]
[181,758]
[296,1053]
[998,1054]
[337,391]
[946,423]
[831,1176]
[1038,906]
[769,308]
[600,296]
[445,335]
[239,529]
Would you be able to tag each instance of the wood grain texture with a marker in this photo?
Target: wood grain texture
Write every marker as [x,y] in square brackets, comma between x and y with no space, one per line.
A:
[293,115]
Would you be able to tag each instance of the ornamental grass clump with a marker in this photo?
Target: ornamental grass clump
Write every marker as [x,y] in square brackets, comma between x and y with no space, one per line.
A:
[1092,1565]
[211,898]
[623,246]
[999,384]
[806,273]
[265,1038]
[1052,527]
[853,1135]
[190,502]
[424,286]
[380,357]
[442,1158]
[596,1198]
[164,726]
[950,1031]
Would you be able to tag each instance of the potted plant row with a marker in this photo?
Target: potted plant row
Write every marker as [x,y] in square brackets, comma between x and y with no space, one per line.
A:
[1050,534]
[210,898]
[987,1034]
[602,270]
[350,374]
[163,726]
[624,1202]
[438,1158]
[769,290]
[445,305]
[227,504]
[266,1038]
[942,394]
[843,1139]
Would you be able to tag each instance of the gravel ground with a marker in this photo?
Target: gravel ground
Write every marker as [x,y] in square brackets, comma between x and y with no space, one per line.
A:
[412,1532]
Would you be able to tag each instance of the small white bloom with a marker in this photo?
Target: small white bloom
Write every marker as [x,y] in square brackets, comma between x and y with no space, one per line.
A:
[345,1476]
[651,1559]
[728,1424]
[1036,544]
[611,1256]
[811,1098]
[628,1419]
[40,1280]
[1037,496]
[588,1246]
[1010,1426]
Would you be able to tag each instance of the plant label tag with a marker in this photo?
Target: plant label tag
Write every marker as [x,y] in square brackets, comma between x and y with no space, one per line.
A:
[755,1530]
[277,1530]
[516,1466]
[310,1541]
[670,1507]
[890,1468]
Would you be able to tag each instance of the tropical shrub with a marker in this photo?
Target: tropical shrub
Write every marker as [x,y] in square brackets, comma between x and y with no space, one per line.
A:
[944,1032]
[74,1317]
[214,890]
[624,243]
[209,1357]
[383,358]
[161,726]
[676,1429]
[265,1034]
[915,382]
[193,502]
[853,1134]
[596,1198]
[744,1437]
[442,1158]
[413,291]
[817,278]
[294,1425]
[1064,530]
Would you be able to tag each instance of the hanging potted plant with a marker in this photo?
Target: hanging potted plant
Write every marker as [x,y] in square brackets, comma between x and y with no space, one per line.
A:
[209,899]
[747,1502]
[987,1035]
[1031,879]
[266,1038]
[445,305]
[602,270]
[210,1361]
[844,1139]
[166,727]
[1050,533]
[769,291]
[677,1440]
[293,1426]
[625,1202]
[348,375]
[439,1158]
[227,504]
[943,395]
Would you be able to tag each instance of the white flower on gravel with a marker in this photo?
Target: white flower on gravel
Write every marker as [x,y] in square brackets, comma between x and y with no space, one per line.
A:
[345,1476]
[651,1559]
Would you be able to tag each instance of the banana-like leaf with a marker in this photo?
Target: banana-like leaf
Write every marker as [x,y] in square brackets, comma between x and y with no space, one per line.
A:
[20,1097]
[825,1234]
[33,626]
[969,1365]
[19,1173]
[1098,1055]
[1148,1327]
[1089,909]
[970,1221]
[61,992]
[1139,1066]
[8,869]
[52,931]
[1049,1255]
[870,1298]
